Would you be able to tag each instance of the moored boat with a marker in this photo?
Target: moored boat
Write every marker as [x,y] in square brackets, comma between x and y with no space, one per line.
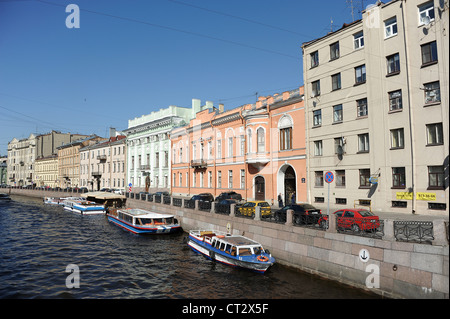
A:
[84,207]
[4,196]
[139,221]
[59,200]
[232,250]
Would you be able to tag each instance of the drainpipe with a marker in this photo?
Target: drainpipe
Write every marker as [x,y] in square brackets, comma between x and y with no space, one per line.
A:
[410,113]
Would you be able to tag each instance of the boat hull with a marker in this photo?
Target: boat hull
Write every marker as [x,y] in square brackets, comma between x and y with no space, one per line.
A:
[211,253]
[167,229]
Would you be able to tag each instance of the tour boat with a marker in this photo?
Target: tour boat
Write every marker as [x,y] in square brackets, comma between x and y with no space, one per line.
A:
[232,250]
[139,221]
[60,200]
[83,207]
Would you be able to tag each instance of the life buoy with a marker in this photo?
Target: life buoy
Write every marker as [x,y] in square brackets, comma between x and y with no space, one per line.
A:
[262,258]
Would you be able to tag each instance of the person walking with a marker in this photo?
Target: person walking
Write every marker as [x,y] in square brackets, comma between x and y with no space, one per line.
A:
[293,198]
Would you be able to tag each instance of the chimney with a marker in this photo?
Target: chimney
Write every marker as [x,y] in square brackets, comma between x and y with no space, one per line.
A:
[221,108]
[112,132]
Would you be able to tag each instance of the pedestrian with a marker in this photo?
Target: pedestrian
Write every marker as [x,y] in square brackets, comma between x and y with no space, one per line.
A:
[280,201]
[293,198]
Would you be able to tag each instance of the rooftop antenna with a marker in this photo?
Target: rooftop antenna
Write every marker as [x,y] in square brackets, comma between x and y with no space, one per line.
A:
[351,8]
[331,24]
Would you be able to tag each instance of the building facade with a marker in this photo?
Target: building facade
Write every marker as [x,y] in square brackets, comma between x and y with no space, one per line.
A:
[103,165]
[46,171]
[377,110]
[250,150]
[148,147]
[21,157]
[69,161]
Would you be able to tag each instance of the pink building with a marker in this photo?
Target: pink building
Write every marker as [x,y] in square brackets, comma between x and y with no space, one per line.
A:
[257,150]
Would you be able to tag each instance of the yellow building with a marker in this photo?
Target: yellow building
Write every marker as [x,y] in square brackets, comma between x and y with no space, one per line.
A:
[46,171]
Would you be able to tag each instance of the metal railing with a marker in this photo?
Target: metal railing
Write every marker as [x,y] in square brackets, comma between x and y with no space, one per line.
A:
[414,231]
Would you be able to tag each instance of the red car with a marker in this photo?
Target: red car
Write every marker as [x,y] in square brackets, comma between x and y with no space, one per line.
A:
[355,219]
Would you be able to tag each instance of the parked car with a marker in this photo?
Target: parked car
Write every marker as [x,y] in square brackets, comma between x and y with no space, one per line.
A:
[224,206]
[203,197]
[248,209]
[303,214]
[229,195]
[355,219]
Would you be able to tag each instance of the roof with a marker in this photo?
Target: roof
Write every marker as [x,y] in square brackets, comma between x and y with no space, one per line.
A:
[103,195]
[137,212]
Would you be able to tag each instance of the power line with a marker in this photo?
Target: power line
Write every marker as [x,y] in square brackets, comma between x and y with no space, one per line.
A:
[176,30]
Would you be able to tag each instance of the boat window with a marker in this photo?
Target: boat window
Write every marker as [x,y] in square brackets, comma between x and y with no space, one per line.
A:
[257,250]
[233,251]
[222,246]
[158,221]
[217,244]
[146,221]
[228,248]
[245,252]
[137,221]
[169,220]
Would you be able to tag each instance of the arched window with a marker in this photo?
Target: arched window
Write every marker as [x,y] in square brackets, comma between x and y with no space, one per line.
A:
[285,129]
[261,140]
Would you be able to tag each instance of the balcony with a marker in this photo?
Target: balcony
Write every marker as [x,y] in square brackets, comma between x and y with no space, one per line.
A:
[199,163]
[145,167]
[101,158]
[96,174]
[257,160]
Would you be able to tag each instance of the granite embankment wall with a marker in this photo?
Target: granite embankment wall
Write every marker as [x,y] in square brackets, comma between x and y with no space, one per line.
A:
[394,269]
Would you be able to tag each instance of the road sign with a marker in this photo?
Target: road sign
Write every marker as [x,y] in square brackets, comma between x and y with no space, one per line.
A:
[130,184]
[329,177]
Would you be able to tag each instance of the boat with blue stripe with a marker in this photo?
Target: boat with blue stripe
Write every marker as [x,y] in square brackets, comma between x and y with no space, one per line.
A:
[233,250]
[84,207]
[140,221]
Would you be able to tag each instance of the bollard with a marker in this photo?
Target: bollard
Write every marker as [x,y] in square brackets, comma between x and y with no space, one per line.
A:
[213,207]
[289,217]
[257,213]
[332,218]
[232,210]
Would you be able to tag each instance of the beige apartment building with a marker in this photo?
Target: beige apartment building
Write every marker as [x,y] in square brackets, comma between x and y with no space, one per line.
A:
[377,110]
[69,161]
[46,171]
[103,165]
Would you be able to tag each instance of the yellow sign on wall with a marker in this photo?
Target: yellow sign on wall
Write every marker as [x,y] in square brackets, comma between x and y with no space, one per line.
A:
[426,196]
[404,195]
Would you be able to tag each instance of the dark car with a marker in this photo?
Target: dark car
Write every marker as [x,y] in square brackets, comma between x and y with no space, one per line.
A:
[224,206]
[203,197]
[229,195]
[303,214]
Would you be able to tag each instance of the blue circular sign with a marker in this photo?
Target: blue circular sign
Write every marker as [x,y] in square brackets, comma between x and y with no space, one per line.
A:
[329,177]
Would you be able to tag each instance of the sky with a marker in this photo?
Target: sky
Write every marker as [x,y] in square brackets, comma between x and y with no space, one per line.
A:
[128,58]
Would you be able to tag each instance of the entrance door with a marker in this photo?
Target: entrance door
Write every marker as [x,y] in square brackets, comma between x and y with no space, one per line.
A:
[289,185]
[260,188]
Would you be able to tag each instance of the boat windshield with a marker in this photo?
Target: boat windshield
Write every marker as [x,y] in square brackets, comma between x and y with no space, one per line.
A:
[258,250]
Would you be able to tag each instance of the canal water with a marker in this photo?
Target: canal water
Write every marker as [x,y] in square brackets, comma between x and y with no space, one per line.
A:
[38,242]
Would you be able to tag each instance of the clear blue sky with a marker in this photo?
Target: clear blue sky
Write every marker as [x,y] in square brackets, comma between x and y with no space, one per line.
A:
[132,57]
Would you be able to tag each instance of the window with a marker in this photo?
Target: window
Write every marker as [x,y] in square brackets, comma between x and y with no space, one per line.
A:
[337,113]
[334,51]
[397,139]
[219,148]
[230,179]
[426,13]
[360,74]
[395,100]
[314,59]
[363,143]
[230,147]
[242,178]
[432,93]
[318,148]
[219,179]
[261,140]
[398,177]
[317,117]
[361,107]
[393,64]
[336,81]
[436,177]
[435,134]
[340,178]
[390,27]
[358,40]
[286,138]
[429,53]
[364,176]
[318,179]
[315,88]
